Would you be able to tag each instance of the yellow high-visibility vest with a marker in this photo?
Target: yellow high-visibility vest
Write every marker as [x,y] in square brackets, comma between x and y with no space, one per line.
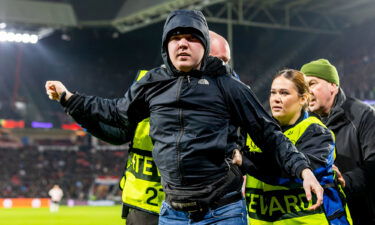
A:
[141,187]
[279,205]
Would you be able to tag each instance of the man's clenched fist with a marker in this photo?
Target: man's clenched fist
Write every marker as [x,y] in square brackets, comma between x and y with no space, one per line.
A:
[55,89]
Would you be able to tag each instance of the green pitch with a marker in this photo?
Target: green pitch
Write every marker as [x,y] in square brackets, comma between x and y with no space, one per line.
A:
[78,215]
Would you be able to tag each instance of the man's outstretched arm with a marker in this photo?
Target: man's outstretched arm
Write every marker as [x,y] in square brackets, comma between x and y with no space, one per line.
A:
[104,118]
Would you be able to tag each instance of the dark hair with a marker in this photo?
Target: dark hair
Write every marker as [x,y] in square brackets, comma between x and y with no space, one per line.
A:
[298,79]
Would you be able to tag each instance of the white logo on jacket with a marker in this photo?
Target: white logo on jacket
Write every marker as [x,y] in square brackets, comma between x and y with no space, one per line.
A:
[203,81]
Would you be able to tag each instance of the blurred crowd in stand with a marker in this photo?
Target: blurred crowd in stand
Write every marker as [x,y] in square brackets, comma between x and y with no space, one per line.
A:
[29,172]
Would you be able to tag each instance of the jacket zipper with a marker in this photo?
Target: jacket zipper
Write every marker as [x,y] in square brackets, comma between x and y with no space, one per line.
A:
[180,118]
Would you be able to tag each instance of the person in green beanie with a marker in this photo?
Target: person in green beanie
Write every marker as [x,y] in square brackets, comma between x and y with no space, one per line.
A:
[324,79]
[353,123]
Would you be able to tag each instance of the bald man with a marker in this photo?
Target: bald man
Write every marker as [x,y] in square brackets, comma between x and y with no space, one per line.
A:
[219,47]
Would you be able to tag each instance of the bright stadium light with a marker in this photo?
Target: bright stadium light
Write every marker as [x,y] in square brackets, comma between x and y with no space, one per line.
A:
[26,38]
[18,37]
[2,36]
[34,39]
[11,37]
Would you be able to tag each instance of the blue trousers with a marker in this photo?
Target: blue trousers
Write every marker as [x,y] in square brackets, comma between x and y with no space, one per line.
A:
[232,214]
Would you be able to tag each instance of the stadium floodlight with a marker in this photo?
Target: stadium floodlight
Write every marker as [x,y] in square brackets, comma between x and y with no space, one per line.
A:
[10,36]
[3,25]
[18,37]
[34,39]
[26,38]
[2,36]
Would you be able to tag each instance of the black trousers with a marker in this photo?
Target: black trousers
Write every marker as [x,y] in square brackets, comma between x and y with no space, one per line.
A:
[139,217]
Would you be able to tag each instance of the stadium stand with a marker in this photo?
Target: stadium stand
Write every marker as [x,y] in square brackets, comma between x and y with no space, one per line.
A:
[28,172]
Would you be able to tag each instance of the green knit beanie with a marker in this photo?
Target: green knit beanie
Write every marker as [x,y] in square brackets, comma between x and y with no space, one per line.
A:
[323,69]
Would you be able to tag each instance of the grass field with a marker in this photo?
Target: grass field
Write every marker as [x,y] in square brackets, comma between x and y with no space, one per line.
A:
[78,215]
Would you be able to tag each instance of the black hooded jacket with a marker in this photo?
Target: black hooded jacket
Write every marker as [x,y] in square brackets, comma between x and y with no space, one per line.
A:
[193,115]
[353,123]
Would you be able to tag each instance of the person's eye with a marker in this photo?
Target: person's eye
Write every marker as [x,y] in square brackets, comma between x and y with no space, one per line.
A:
[192,39]
[174,38]
[284,93]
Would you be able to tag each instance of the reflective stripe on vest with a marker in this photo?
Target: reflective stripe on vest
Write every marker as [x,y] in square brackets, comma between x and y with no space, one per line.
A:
[270,204]
[141,183]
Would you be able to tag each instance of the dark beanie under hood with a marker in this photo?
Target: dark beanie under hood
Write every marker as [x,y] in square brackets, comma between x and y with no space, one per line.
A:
[185,22]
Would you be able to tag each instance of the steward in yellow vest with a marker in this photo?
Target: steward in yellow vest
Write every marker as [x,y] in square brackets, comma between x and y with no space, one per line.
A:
[280,199]
[140,184]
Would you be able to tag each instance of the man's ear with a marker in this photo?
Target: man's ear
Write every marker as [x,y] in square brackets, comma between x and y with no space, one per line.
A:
[333,88]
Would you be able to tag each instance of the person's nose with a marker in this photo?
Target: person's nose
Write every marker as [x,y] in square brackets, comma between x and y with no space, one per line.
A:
[182,43]
[276,98]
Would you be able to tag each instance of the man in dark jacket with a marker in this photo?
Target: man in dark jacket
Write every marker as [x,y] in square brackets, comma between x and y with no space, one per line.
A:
[142,195]
[194,109]
[353,123]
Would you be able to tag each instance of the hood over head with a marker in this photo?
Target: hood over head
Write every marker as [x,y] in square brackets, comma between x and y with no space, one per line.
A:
[185,22]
